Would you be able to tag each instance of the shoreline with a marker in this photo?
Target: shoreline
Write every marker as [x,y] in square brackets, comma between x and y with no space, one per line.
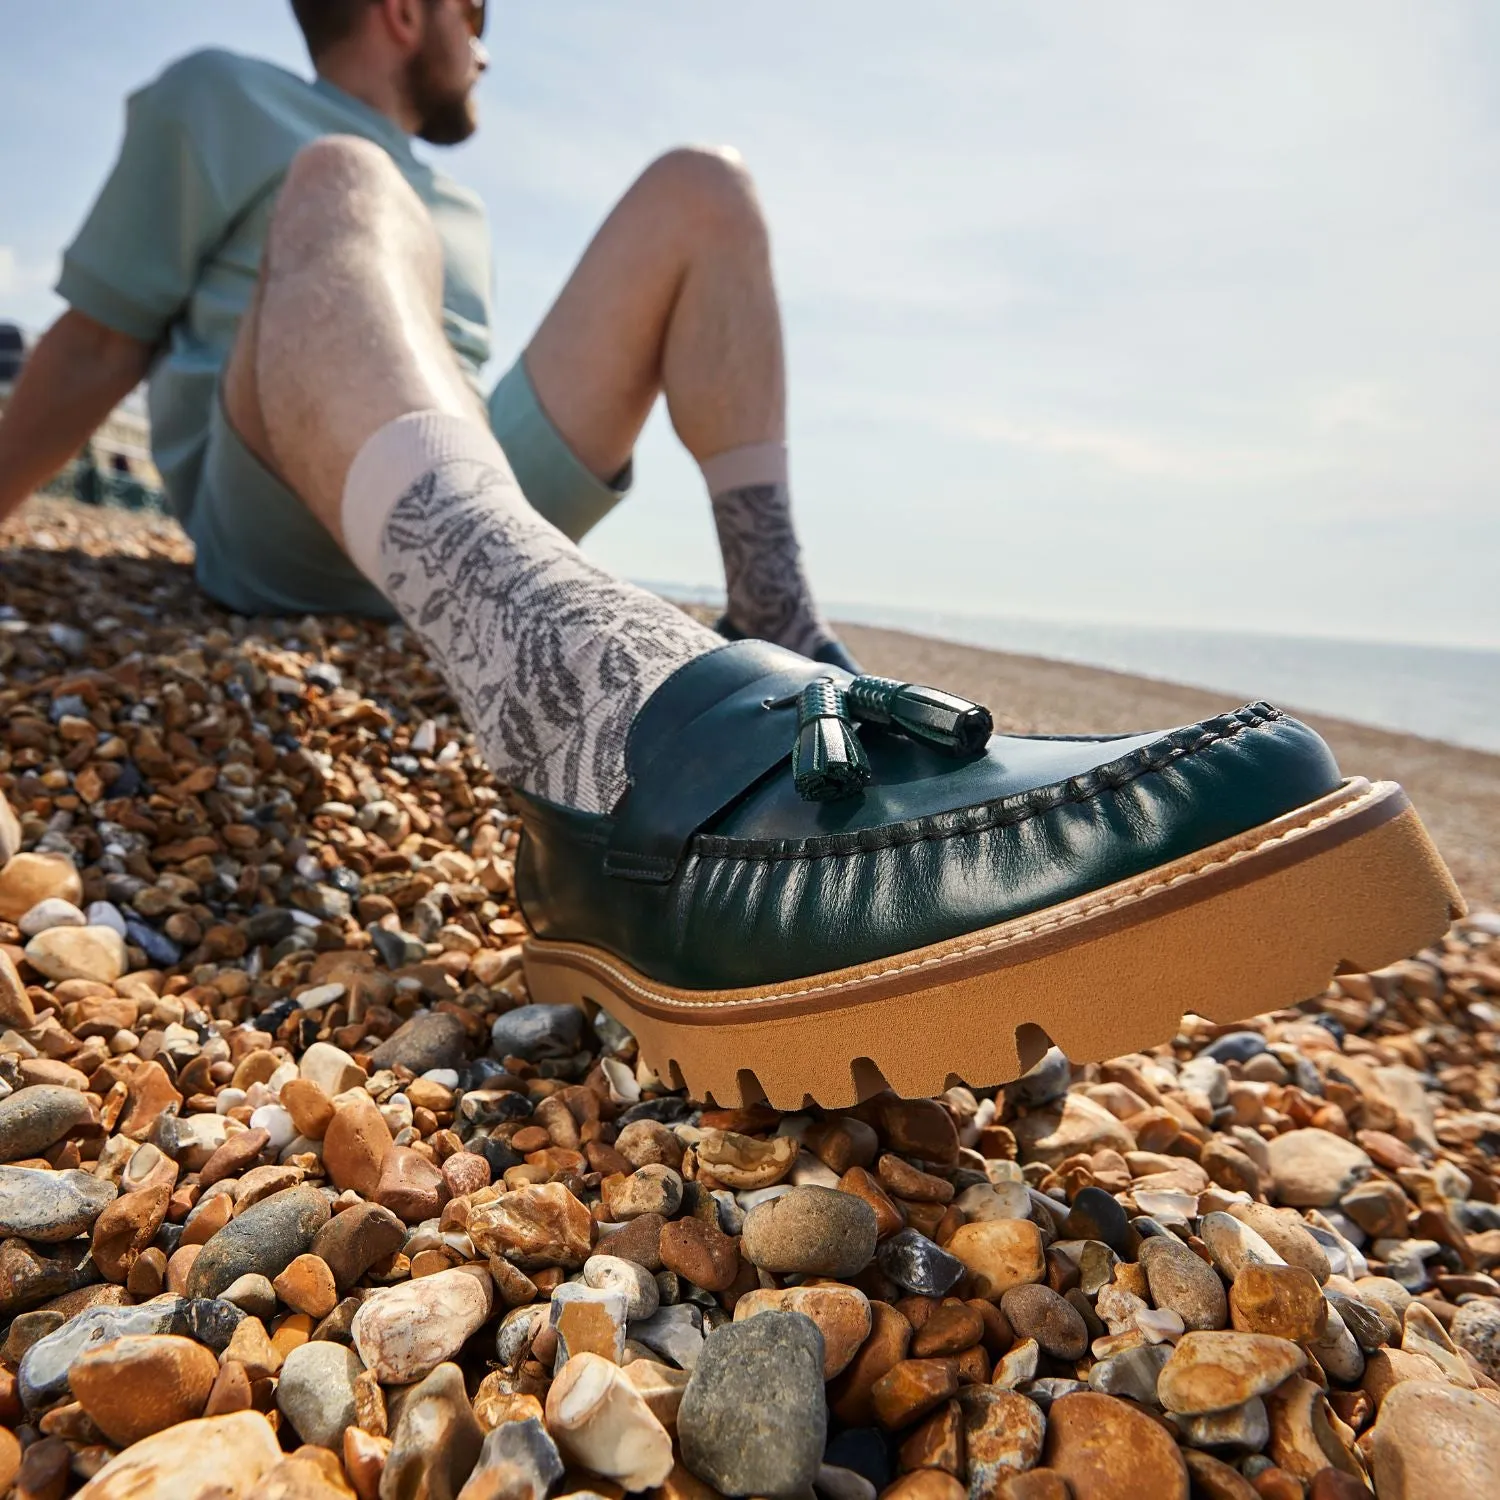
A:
[1455,789]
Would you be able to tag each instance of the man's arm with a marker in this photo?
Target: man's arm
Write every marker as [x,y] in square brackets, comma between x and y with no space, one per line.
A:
[70,382]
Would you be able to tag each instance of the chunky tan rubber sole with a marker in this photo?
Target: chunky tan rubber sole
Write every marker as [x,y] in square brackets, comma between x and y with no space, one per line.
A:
[1348,883]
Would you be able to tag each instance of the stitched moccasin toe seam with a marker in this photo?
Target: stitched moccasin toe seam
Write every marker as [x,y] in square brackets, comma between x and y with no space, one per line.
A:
[1171,749]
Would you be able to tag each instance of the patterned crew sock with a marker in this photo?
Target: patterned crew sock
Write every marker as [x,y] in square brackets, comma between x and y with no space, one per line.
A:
[548,655]
[769,595]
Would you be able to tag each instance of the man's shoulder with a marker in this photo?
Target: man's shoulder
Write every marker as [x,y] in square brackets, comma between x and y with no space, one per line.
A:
[217,76]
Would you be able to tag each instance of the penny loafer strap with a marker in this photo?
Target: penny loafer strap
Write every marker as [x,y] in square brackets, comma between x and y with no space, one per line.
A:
[699,744]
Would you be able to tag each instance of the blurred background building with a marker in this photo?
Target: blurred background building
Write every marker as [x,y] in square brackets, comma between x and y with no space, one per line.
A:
[114,467]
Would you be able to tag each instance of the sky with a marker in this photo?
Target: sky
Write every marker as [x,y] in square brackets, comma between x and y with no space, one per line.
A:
[1162,313]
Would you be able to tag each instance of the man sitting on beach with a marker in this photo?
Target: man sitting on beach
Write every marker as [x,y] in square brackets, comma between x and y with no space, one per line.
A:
[788,881]
[674,297]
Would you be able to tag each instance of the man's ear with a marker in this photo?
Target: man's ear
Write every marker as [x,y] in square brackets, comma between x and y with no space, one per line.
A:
[405,21]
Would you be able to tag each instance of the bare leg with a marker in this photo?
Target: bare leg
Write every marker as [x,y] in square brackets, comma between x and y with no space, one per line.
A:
[346,331]
[675,296]
[344,384]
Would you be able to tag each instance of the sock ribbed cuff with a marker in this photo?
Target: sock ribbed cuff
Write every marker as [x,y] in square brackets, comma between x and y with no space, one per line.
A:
[740,468]
[392,459]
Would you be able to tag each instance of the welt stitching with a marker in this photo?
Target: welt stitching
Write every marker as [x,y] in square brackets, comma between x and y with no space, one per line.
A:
[1009,812]
[1012,934]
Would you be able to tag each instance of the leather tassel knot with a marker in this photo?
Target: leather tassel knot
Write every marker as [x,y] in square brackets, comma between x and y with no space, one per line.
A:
[828,760]
[940,719]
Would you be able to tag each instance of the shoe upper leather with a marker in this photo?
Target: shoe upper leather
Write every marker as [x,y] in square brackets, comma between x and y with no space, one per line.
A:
[712,873]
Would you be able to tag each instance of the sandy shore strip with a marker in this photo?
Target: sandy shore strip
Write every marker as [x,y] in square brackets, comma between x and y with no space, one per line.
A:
[1457,791]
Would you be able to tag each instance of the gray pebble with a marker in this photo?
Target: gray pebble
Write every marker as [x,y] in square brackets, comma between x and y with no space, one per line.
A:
[1047,1081]
[1132,1373]
[315,1392]
[32,1119]
[517,1328]
[919,1266]
[1363,1321]
[1246,1428]
[526,1446]
[810,1231]
[264,1241]
[252,1294]
[1477,1329]
[610,1273]
[1235,1046]
[49,1207]
[754,1418]
[433,1039]
[676,1333]
[1185,1284]
[536,1032]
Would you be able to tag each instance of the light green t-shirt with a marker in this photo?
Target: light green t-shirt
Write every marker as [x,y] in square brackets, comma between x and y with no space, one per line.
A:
[171,249]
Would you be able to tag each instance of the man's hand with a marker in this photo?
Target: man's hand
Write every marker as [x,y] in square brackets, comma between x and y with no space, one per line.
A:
[70,383]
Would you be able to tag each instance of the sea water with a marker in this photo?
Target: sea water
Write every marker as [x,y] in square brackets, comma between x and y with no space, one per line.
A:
[1439,692]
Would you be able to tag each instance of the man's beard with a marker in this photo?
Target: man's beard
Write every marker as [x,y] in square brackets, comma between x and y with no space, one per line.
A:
[447,116]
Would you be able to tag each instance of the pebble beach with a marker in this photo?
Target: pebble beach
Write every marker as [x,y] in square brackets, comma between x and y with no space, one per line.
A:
[301,1196]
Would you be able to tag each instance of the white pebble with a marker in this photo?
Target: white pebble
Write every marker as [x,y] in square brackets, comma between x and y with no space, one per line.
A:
[1160,1325]
[52,912]
[444,1077]
[636,1283]
[601,1422]
[285,1072]
[277,1123]
[808,1171]
[753,1196]
[319,996]
[229,1099]
[623,1088]
[404,1332]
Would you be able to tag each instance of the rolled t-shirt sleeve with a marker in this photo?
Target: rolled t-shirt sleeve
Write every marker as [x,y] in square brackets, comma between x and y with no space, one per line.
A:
[133,264]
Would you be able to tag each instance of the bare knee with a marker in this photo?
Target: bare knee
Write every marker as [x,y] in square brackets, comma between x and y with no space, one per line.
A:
[341,188]
[341,163]
[708,187]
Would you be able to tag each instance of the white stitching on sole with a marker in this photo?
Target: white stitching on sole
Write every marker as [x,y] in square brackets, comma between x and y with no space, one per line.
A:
[1081,914]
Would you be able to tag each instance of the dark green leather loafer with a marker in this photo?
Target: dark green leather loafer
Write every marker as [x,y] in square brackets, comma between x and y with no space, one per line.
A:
[820,885]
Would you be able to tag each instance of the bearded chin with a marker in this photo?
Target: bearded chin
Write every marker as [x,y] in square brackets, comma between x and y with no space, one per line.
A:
[450,122]
[447,117]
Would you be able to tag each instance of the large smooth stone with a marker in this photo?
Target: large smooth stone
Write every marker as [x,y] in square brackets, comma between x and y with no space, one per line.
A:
[224,1455]
[1107,1450]
[1435,1442]
[48,1207]
[810,1231]
[315,1391]
[262,1241]
[753,1420]
[134,1386]
[404,1332]
[1313,1168]
[1214,1371]
[35,1118]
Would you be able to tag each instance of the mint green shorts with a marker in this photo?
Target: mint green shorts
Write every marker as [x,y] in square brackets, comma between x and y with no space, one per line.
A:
[261,551]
